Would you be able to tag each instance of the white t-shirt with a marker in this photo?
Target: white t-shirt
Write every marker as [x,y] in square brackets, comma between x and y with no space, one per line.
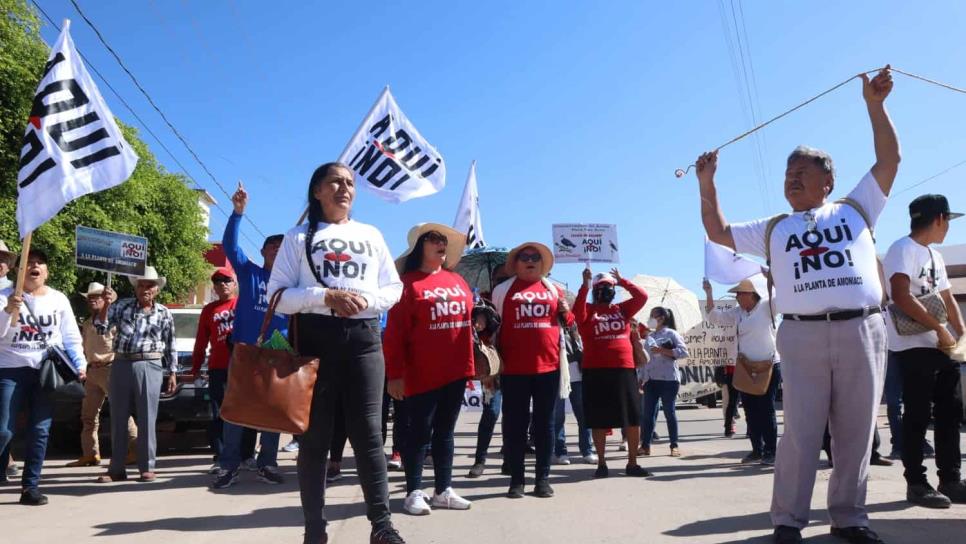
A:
[832,267]
[756,334]
[22,343]
[350,257]
[927,274]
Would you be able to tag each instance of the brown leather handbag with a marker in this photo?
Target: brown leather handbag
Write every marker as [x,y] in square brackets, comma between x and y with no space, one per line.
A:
[270,389]
[752,377]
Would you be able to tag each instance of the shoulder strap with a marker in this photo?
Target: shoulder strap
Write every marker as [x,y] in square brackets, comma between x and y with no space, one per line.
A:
[267,320]
[769,229]
[851,202]
[309,234]
[499,295]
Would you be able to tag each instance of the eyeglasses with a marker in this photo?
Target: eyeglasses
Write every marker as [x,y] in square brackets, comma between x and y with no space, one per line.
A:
[222,280]
[529,258]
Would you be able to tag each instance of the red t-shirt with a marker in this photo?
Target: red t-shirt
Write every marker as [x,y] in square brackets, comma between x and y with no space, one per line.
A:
[606,328]
[529,337]
[428,341]
[215,324]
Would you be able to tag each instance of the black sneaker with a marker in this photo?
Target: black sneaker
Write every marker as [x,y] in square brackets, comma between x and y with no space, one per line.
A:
[324,539]
[636,471]
[225,479]
[515,491]
[333,474]
[768,459]
[601,472]
[386,535]
[476,470]
[505,469]
[925,495]
[32,497]
[753,457]
[542,489]
[270,475]
[786,535]
[955,490]
[857,535]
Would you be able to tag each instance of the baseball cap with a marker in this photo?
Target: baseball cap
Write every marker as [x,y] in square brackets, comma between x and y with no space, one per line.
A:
[930,207]
[223,271]
[604,278]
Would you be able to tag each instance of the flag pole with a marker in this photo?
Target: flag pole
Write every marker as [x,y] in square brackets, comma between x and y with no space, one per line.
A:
[21,273]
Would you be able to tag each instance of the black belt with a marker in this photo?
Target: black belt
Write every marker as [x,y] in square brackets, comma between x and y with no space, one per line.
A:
[842,315]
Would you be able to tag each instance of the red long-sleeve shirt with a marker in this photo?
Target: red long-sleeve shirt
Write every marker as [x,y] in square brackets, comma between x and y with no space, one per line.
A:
[529,337]
[428,340]
[215,324]
[606,328]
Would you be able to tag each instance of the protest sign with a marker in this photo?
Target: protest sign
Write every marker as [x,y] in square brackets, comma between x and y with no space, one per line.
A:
[585,243]
[111,252]
[709,346]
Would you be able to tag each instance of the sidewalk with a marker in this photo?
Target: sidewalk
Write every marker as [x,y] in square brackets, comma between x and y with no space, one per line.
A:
[706,496]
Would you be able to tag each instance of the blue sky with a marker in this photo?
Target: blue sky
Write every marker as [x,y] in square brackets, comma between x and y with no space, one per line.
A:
[575,111]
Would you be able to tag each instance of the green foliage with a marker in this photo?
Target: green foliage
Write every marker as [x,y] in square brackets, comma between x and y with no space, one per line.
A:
[153,203]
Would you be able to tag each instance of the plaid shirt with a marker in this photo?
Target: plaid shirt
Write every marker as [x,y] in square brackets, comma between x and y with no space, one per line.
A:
[141,332]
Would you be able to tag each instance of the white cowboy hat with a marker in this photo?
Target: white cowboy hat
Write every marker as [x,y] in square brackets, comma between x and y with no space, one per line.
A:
[546,257]
[150,274]
[455,243]
[93,288]
[7,255]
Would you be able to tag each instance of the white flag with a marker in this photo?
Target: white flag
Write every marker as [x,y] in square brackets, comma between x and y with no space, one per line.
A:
[389,156]
[72,146]
[723,265]
[468,219]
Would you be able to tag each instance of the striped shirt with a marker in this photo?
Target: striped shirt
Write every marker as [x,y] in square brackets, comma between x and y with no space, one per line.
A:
[141,332]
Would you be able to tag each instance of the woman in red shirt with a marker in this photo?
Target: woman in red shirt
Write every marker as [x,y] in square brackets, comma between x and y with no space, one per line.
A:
[531,310]
[428,349]
[611,397]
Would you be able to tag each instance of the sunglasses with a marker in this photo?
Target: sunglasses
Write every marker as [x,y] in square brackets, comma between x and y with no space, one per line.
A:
[529,258]
[222,280]
[435,237]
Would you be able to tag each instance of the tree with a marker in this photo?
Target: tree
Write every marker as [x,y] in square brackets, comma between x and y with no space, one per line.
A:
[153,203]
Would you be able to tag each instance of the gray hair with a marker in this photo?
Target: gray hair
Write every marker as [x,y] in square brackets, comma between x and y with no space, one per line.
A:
[816,156]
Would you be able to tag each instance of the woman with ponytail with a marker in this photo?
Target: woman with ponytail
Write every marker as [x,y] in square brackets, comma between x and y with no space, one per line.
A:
[661,376]
[339,276]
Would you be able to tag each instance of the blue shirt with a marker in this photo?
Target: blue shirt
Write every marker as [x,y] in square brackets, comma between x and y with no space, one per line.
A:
[252,290]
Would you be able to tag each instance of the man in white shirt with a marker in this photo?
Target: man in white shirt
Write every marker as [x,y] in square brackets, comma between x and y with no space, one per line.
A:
[832,338]
[930,379]
[7,261]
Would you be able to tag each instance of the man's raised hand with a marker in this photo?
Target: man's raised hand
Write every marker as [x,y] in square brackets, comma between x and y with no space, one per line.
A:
[706,166]
[879,87]
[240,199]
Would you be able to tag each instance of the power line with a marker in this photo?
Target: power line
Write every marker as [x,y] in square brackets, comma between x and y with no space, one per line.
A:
[157,108]
[143,124]
[930,178]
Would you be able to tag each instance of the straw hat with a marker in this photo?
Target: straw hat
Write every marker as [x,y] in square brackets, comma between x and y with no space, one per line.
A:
[744,286]
[546,257]
[455,243]
[93,288]
[7,255]
[150,274]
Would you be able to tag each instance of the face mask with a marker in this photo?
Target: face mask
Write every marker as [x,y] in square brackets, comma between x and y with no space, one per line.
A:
[604,294]
[652,324]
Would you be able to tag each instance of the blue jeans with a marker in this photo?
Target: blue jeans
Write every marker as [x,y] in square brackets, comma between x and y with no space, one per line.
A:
[19,388]
[760,415]
[560,415]
[231,447]
[431,418]
[664,392]
[484,432]
[217,381]
[893,398]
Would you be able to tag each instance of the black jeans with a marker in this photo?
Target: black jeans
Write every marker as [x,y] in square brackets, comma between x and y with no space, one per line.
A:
[760,416]
[930,386]
[339,437]
[484,432]
[217,380]
[432,420]
[731,410]
[518,390]
[351,367]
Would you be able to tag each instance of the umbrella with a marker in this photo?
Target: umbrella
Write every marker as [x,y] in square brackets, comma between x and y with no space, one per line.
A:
[666,292]
[478,266]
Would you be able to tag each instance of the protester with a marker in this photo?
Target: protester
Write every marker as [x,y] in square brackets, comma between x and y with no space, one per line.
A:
[7,261]
[610,381]
[661,377]
[832,338]
[45,318]
[756,344]
[531,311]
[143,347]
[338,277]
[930,378]
[429,356]
[99,352]
[214,327]
[584,439]
[250,308]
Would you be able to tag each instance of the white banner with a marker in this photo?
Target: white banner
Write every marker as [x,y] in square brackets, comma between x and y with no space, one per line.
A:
[468,219]
[72,146]
[723,265]
[389,156]
[709,346]
[585,243]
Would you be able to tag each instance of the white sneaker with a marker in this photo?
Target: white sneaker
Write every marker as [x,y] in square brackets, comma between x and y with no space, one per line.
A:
[250,465]
[416,505]
[215,469]
[623,446]
[561,460]
[590,459]
[449,499]
[291,447]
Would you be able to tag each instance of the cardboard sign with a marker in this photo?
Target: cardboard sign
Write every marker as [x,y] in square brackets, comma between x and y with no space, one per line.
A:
[585,243]
[709,346]
[111,252]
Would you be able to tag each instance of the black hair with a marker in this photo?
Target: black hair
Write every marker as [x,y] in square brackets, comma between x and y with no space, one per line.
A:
[275,238]
[316,213]
[38,253]
[415,258]
[922,222]
[667,315]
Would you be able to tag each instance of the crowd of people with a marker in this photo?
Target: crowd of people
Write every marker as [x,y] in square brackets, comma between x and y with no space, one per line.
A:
[406,332]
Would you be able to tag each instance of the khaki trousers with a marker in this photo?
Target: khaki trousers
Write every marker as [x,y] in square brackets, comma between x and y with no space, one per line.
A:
[95,389]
